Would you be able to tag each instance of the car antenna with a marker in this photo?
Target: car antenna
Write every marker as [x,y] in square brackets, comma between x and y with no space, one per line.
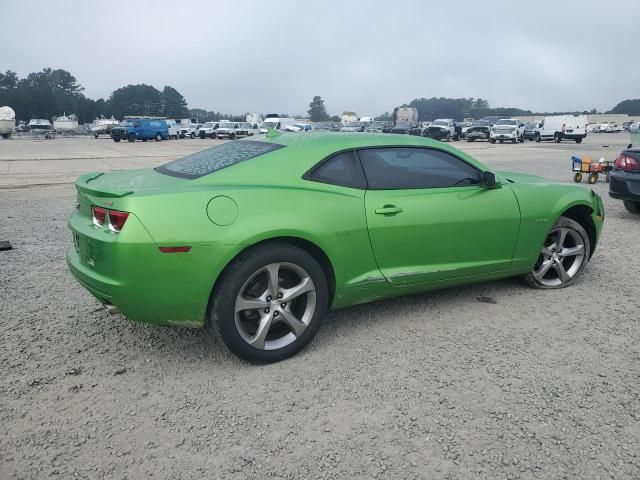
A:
[272,133]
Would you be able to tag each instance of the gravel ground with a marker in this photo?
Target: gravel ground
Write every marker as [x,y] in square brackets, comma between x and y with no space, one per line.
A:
[489,381]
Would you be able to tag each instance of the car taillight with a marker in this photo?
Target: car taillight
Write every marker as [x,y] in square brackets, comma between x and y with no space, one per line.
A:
[116,220]
[99,215]
[623,162]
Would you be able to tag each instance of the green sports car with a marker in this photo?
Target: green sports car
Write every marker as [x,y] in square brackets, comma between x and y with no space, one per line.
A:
[260,237]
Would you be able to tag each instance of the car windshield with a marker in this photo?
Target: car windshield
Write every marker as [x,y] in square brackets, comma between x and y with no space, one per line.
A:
[216,158]
[208,125]
[270,124]
[442,123]
[377,125]
[507,121]
[245,125]
[480,123]
[126,123]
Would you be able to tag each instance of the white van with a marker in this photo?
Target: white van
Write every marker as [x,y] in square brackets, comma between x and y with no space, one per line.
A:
[277,123]
[557,128]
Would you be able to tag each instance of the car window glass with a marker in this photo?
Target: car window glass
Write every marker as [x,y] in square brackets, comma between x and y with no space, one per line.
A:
[408,168]
[342,169]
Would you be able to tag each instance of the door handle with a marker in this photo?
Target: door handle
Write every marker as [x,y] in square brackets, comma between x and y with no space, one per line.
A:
[388,210]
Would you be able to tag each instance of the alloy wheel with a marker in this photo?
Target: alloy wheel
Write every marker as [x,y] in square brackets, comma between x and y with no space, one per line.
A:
[561,257]
[275,306]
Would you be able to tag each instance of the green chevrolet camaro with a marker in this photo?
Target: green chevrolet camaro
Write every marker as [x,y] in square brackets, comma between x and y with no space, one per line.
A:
[260,237]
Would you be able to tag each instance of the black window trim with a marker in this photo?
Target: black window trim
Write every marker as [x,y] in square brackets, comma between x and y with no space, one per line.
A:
[376,147]
[308,175]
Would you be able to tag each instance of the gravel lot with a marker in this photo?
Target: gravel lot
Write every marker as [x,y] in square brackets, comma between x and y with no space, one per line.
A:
[489,381]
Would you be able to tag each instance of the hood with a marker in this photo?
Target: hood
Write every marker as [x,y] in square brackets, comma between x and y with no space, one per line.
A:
[516,177]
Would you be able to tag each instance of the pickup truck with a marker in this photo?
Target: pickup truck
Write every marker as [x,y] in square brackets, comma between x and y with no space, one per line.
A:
[442,129]
[507,129]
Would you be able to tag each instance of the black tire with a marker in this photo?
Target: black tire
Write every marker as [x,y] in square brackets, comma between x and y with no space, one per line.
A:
[492,140]
[470,139]
[565,222]
[538,139]
[578,140]
[557,138]
[202,135]
[515,140]
[158,137]
[593,178]
[131,138]
[633,207]
[192,135]
[577,177]
[116,140]
[5,136]
[448,137]
[145,139]
[95,135]
[222,311]
[232,136]
[501,142]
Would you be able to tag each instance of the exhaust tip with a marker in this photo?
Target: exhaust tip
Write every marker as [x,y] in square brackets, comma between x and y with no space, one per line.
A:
[111,309]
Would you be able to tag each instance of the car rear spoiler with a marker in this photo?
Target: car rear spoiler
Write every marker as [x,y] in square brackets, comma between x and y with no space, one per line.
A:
[82,185]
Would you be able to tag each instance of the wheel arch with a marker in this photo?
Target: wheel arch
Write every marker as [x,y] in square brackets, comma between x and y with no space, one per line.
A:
[582,213]
[307,245]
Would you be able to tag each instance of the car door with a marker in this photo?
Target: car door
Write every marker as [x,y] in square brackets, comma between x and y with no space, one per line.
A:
[430,217]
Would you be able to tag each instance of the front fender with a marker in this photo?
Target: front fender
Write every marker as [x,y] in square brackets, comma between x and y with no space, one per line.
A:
[541,205]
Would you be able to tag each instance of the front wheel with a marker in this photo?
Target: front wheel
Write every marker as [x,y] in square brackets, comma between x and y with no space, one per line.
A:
[593,178]
[557,138]
[158,137]
[633,207]
[577,177]
[563,256]
[578,140]
[492,140]
[116,140]
[131,137]
[538,138]
[270,302]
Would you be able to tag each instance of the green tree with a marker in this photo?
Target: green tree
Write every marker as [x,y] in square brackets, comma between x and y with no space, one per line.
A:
[8,79]
[135,100]
[630,107]
[173,103]
[317,111]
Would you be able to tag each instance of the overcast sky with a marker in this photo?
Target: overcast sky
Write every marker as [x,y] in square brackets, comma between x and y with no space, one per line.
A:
[273,56]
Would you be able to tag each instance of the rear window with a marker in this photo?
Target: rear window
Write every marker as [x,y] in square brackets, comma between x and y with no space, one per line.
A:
[216,158]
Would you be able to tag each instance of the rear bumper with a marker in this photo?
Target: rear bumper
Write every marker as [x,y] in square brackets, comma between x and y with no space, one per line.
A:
[129,272]
[624,185]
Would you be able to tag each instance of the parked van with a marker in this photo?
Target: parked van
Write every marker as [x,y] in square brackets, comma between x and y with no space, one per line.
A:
[140,129]
[174,129]
[557,128]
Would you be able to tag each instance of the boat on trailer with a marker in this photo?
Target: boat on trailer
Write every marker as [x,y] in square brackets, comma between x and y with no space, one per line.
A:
[66,124]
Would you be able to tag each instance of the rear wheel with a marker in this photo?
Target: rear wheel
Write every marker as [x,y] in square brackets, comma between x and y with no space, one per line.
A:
[577,177]
[232,136]
[593,178]
[492,140]
[270,302]
[633,207]
[578,140]
[131,138]
[556,137]
[158,137]
[563,256]
[116,140]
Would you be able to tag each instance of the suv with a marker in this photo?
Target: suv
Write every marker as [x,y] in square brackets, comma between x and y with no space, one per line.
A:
[624,182]
[507,129]
[442,129]
[140,129]
[247,129]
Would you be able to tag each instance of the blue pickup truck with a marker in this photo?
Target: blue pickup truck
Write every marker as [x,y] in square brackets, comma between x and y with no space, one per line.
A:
[140,129]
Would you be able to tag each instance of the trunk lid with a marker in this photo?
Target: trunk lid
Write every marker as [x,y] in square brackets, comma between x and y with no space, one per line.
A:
[121,183]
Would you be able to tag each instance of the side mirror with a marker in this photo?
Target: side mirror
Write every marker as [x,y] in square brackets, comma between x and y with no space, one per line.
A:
[488,179]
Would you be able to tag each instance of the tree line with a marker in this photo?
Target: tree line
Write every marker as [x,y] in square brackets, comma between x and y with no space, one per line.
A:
[51,93]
